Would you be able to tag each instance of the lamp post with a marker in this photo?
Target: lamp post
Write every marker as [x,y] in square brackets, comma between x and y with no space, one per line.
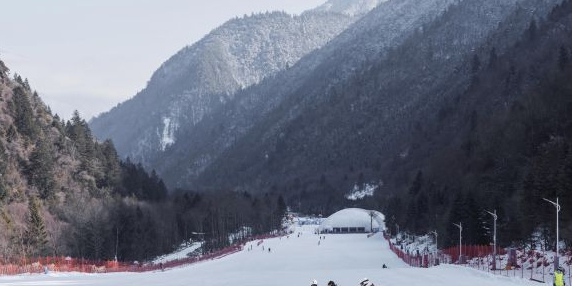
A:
[494,214]
[460,226]
[556,260]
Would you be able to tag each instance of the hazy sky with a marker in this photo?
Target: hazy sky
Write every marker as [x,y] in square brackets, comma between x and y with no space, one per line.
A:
[92,54]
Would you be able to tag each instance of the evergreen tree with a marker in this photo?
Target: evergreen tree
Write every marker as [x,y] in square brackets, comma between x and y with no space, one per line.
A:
[11,134]
[3,170]
[24,116]
[40,169]
[3,159]
[112,176]
[36,236]
[78,131]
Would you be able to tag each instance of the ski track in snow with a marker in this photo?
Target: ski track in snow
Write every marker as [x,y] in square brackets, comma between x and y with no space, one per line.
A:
[344,259]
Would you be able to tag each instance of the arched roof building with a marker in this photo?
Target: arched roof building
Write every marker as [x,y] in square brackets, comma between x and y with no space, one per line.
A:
[354,220]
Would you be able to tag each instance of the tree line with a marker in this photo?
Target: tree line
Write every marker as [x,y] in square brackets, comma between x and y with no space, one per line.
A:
[512,147]
[62,192]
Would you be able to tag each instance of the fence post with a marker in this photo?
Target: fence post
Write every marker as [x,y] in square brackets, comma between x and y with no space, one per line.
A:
[543,269]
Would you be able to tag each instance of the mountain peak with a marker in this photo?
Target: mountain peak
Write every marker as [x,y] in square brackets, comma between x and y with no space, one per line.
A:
[349,7]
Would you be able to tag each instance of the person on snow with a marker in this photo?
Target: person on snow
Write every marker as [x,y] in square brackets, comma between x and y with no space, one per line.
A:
[332,283]
[384,266]
[314,283]
[559,277]
[365,282]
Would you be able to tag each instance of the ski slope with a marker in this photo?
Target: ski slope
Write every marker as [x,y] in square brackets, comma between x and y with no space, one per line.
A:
[292,261]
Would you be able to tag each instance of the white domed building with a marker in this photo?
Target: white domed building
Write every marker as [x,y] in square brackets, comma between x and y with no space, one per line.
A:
[354,220]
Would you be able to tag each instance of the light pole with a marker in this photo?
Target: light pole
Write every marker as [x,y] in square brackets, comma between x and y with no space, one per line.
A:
[494,239]
[460,226]
[556,260]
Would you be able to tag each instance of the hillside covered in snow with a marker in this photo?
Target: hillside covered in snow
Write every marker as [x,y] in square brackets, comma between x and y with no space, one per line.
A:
[205,75]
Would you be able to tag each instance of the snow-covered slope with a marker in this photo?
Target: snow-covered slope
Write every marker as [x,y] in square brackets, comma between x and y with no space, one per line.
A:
[385,27]
[344,259]
[201,77]
[350,7]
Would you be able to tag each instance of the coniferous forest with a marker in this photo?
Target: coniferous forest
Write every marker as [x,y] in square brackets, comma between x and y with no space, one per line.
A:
[64,193]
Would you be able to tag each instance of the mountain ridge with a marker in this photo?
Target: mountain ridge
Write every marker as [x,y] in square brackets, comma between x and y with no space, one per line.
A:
[202,76]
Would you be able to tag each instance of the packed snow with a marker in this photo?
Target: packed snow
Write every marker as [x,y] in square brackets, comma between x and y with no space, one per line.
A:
[184,252]
[287,261]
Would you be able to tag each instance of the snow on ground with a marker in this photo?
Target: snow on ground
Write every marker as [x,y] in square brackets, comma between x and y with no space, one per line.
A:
[412,244]
[182,253]
[292,261]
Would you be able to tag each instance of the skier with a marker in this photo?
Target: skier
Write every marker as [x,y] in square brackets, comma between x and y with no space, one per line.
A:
[332,283]
[365,282]
[384,266]
[269,250]
[559,277]
[314,283]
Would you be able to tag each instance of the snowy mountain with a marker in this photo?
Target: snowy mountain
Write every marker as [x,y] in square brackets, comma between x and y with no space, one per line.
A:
[348,105]
[205,75]
[349,7]
[385,27]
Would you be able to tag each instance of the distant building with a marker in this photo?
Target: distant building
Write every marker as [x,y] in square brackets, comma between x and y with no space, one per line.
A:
[354,220]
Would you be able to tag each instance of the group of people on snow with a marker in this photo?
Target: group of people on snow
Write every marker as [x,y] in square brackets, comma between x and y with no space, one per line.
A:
[363,282]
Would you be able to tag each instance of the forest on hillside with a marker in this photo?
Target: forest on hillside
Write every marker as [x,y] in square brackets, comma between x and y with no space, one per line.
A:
[64,193]
[505,143]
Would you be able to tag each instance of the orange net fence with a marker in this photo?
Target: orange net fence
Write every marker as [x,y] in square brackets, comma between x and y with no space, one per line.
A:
[68,264]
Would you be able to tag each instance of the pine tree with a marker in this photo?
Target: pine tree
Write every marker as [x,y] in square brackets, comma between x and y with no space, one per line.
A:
[3,169]
[3,159]
[24,116]
[281,209]
[112,177]
[36,236]
[40,169]
[11,134]
[78,131]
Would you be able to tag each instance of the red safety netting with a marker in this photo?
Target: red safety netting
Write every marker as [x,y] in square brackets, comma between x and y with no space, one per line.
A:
[68,264]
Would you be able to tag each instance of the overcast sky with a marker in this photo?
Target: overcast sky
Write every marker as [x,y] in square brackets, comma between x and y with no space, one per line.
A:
[92,54]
